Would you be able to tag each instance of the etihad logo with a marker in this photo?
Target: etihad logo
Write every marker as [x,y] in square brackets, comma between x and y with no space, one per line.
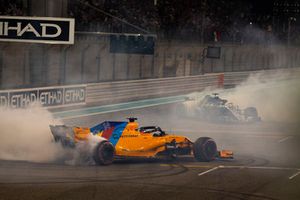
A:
[37,29]
[6,28]
[45,96]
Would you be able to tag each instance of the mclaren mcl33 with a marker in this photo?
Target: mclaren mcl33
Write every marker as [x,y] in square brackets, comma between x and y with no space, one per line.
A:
[126,139]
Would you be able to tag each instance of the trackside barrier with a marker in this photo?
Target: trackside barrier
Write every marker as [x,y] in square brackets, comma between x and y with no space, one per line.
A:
[122,91]
[60,96]
[107,92]
[232,79]
[125,91]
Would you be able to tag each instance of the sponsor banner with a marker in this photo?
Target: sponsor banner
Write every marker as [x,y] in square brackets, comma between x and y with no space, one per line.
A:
[47,97]
[51,97]
[4,101]
[48,30]
[22,99]
[74,94]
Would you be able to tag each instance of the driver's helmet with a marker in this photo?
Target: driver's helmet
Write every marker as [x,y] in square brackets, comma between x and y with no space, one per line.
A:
[156,133]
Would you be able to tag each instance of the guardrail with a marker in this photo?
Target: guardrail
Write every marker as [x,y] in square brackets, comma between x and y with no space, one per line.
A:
[149,88]
[107,92]
[232,79]
[125,91]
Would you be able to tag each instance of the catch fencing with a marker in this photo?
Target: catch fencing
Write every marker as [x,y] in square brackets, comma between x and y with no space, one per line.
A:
[90,60]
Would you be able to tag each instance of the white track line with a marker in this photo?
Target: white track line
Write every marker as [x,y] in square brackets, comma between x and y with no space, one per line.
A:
[210,170]
[294,175]
[264,168]
[246,167]
[285,139]
[257,167]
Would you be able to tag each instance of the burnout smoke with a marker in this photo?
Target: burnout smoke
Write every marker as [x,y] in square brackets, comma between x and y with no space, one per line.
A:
[276,97]
[84,150]
[25,135]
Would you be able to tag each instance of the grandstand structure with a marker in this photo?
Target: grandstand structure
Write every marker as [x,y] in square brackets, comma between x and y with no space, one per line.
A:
[130,40]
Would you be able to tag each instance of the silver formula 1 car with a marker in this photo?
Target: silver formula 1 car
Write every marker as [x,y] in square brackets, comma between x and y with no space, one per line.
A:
[214,109]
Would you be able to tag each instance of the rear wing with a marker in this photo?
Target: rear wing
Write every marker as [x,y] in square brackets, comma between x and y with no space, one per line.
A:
[63,134]
[59,131]
[110,130]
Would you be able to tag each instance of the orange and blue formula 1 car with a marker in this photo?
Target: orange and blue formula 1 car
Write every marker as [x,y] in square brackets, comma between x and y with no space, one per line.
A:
[126,139]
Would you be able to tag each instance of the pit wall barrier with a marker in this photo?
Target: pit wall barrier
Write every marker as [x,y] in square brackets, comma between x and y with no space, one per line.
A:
[125,91]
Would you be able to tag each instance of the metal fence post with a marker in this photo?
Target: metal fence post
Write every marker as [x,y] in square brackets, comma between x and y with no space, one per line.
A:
[25,62]
[140,73]
[152,66]
[63,65]
[114,67]
[1,65]
[82,61]
[98,59]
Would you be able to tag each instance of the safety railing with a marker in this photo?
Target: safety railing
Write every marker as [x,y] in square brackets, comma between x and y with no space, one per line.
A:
[232,79]
[124,91]
[141,89]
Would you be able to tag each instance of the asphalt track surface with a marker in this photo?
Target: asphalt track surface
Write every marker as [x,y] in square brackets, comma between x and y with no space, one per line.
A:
[266,166]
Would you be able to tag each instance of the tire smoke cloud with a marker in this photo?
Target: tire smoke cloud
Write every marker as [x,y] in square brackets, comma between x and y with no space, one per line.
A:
[276,97]
[25,135]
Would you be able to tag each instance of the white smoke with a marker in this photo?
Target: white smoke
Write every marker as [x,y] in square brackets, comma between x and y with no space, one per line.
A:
[25,135]
[84,150]
[276,97]
[275,94]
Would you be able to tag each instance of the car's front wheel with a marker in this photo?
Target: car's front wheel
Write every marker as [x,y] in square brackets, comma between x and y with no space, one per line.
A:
[205,149]
[104,153]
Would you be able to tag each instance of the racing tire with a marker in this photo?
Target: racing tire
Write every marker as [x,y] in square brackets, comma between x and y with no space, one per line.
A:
[205,149]
[251,114]
[104,153]
[250,111]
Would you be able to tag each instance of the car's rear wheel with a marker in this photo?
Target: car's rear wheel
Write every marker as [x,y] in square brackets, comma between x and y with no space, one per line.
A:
[251,114]
[205,149]
[104,153]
